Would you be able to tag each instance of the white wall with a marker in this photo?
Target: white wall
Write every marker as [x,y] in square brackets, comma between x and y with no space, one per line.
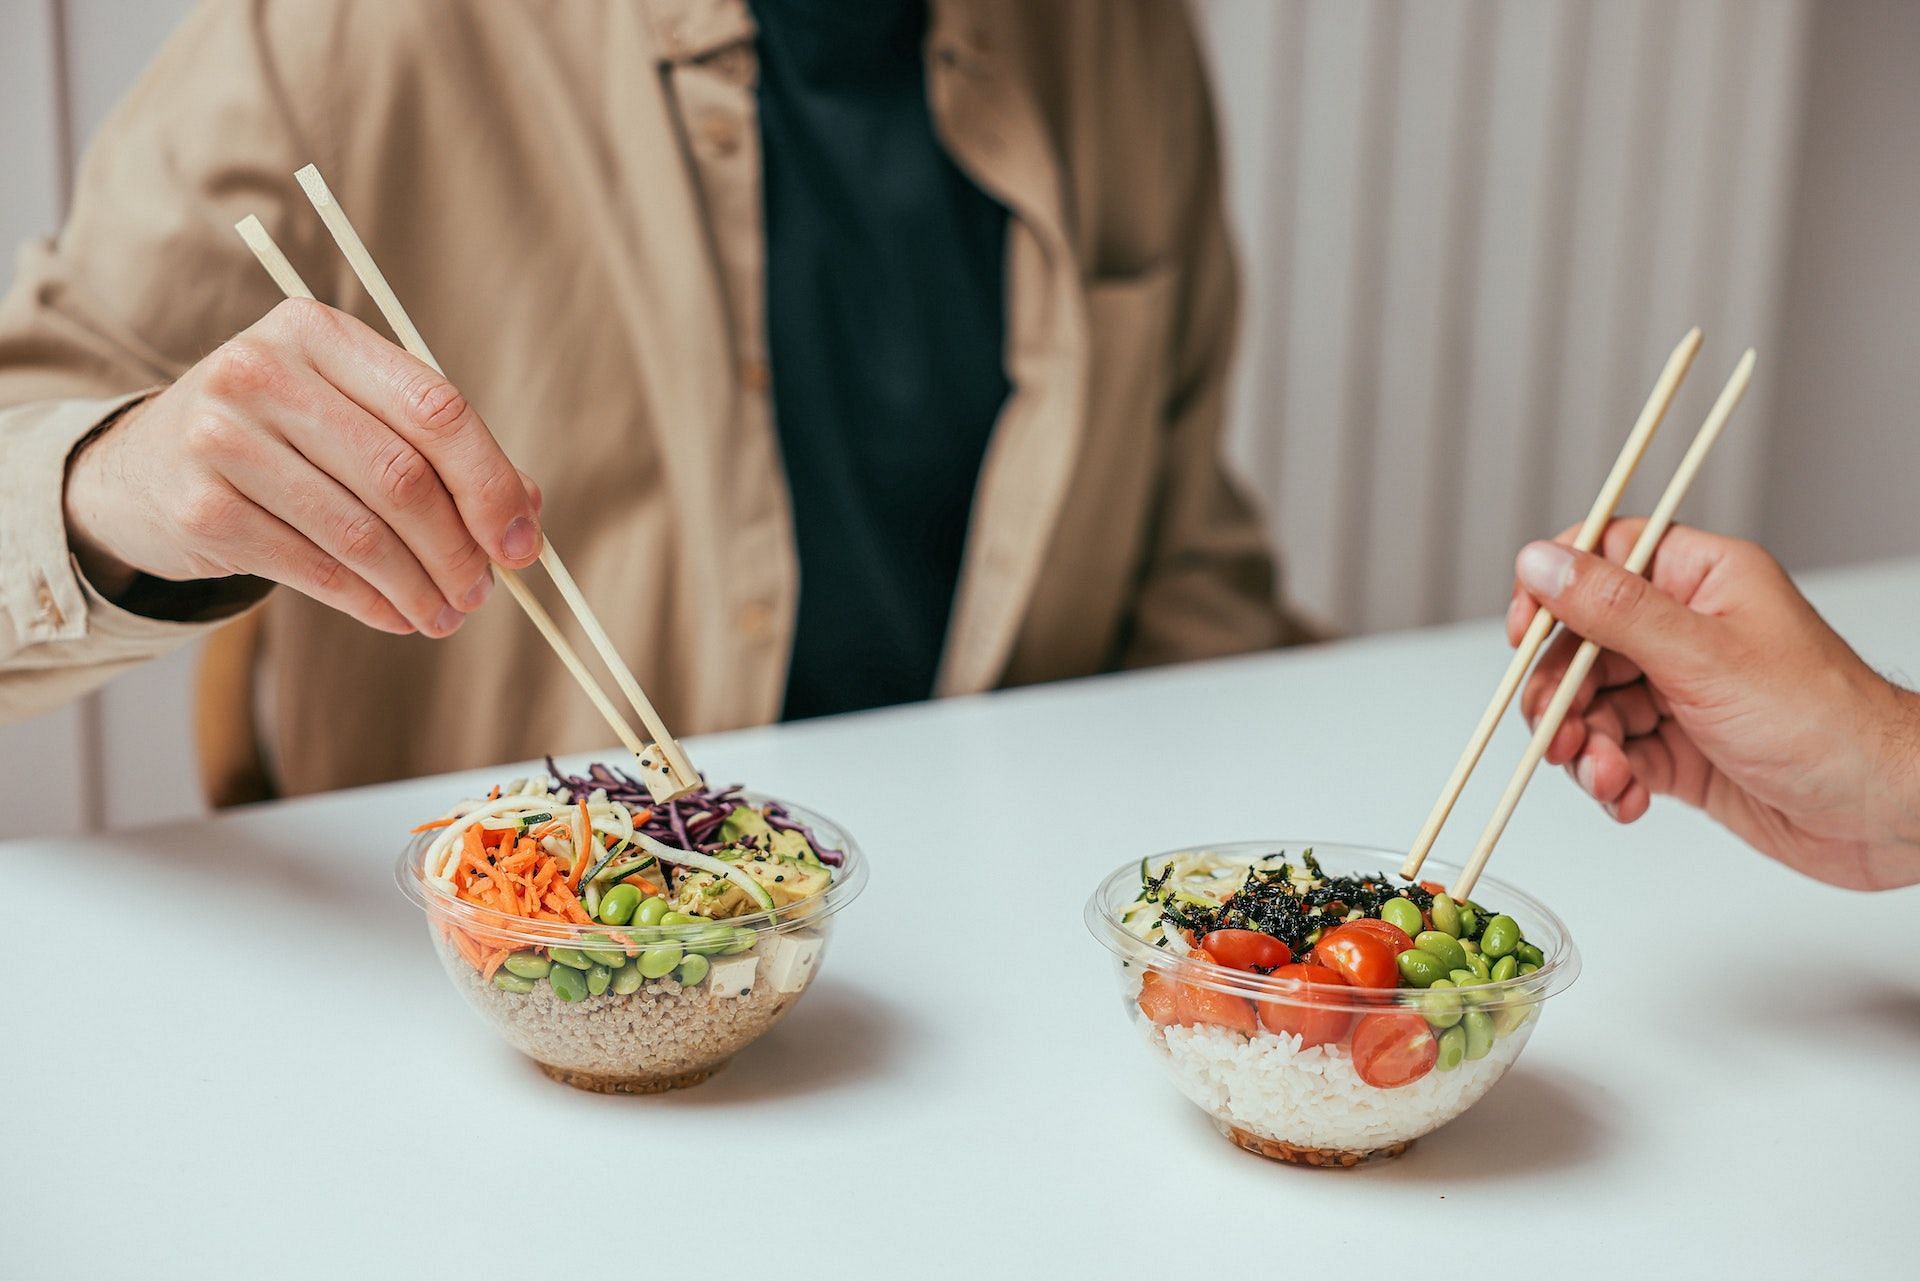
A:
[1846,463]
[1470,228]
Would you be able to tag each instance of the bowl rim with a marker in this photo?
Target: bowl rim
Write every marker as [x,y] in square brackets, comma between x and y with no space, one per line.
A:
[442,908]
[1561,968]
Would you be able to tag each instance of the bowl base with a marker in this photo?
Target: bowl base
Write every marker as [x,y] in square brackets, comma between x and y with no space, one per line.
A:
[1292,1154]
[603,1083]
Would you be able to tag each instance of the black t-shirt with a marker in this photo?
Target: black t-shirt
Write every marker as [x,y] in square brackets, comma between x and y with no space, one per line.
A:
[885,325]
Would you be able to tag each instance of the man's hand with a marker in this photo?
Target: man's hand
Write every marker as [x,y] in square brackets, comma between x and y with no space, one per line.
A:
[1719,684]
[310,451]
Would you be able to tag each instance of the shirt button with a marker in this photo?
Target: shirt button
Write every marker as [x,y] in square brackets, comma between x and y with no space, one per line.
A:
[754,375]
[721,133]
[756,621]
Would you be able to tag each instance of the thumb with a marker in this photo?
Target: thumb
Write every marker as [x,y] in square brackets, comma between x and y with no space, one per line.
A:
[1623,612]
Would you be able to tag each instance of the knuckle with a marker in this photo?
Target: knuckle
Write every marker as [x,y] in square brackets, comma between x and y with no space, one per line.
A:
[360,538]
[305,317]
[1616,593]
[435,407]
[209,515]
[244,369]
[331,575]
[406,477]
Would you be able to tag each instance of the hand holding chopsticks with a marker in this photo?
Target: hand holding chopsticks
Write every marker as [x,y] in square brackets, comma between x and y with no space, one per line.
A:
[664,765]
[1588,652]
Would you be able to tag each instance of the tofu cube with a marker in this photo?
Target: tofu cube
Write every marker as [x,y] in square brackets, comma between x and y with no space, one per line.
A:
[732,976]
[792,961]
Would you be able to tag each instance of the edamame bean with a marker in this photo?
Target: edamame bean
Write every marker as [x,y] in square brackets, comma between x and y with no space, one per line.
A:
[743,940]
[618,906]
[1441,1006]
[1401,912]
[1502,936]
[1477,962]
[627,980]
[1530,955]
[680,918]
[1479,1027]
[711,941]
[658,960]
[1443,947]
[1504,969]
[690,971]
[598,978]
[650,912]
[1469,946]
[528,965]
[1446,915]
[1509,1016]
[571,957]
[1453,1048]
[569,984]
[1469,922]
[1420,968]
[1528,967]
[509,982]
[604,951]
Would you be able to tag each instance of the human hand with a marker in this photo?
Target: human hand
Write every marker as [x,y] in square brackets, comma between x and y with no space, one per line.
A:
[310,451]
[1721,685]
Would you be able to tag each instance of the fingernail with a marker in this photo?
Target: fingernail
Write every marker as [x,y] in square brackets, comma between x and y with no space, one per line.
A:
[481,590]
[1584,772]
[447,621]
[522,540]
[1545,569]
[1514,614]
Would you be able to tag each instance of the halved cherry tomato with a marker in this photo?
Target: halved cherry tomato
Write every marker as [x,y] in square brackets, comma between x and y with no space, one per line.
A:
[1193,1004]
[1157,999]
[1393,934]
[1246,949]
[1361,957]
[1393,1049]
[1304,1013]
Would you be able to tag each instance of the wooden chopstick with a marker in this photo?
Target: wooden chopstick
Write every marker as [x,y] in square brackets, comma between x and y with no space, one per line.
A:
[1651,414]
[1583,659]
[664,765]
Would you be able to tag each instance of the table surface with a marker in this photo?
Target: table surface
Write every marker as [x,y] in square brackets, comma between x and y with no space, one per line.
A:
[283,1083]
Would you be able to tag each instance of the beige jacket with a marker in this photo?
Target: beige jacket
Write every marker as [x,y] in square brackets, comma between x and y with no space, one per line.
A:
[567,198]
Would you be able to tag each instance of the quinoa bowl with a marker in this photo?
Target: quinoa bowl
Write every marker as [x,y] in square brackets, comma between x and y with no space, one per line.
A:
[1342,1057]
[637,1001]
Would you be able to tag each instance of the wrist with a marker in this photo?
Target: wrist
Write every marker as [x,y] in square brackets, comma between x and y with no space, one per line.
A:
[86,501]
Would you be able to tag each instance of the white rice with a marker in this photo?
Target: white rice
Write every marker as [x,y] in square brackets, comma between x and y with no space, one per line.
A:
[1313,1098]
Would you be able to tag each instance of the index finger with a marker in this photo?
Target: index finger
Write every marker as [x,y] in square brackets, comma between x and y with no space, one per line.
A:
[425,409]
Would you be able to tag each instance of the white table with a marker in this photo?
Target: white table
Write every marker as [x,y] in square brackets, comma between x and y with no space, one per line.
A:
[241,1059]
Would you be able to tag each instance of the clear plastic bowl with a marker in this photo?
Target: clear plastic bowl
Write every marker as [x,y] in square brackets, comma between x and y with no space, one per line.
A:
[662,1034]
[1271,1094]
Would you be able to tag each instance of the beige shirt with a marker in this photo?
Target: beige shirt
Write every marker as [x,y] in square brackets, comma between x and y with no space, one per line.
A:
[567,199]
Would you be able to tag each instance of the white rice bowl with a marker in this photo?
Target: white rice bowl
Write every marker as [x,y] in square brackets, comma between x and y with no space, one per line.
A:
[1268,1086]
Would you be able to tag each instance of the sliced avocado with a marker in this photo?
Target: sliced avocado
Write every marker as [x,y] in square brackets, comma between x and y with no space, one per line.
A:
[744,821]
[788,879]
[792,845]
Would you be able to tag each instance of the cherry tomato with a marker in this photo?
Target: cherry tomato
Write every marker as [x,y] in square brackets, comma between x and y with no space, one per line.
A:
[1433,887]
[1194,1004]
[1305,1014]
[1246,949]
[1157,999]
[1361,957]
[1395,936]
[1393,1049]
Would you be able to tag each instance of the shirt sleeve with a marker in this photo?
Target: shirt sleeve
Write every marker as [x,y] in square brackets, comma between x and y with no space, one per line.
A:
[146,277]
[1210,586]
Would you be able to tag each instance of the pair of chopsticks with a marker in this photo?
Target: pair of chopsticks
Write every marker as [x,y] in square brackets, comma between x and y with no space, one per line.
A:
[664,765]
[1584,658]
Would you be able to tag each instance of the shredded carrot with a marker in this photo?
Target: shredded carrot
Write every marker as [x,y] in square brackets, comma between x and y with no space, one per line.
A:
[580,849]
[428,827]
[645,886]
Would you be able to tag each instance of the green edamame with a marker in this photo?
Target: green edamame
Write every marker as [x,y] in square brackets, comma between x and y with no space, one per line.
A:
[618,907]
[569,984]
[743,940]
[1510,1016]
[1469,946]
[602,950]
[627,980]
[1478,963]
[1528,967]
[710,941]
[1502,936]
[571,957]
[1469,922]
[680,918]
[1442,1006]
[1446,915]
[1420,968]
[1504,969]
[1443,947]
[598,979]
[509,982]
[1401,913]
[1453,1049]
[657,960]
[1479,1028]
[527,965]
[690,971]
[650,912]
[1530,955]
